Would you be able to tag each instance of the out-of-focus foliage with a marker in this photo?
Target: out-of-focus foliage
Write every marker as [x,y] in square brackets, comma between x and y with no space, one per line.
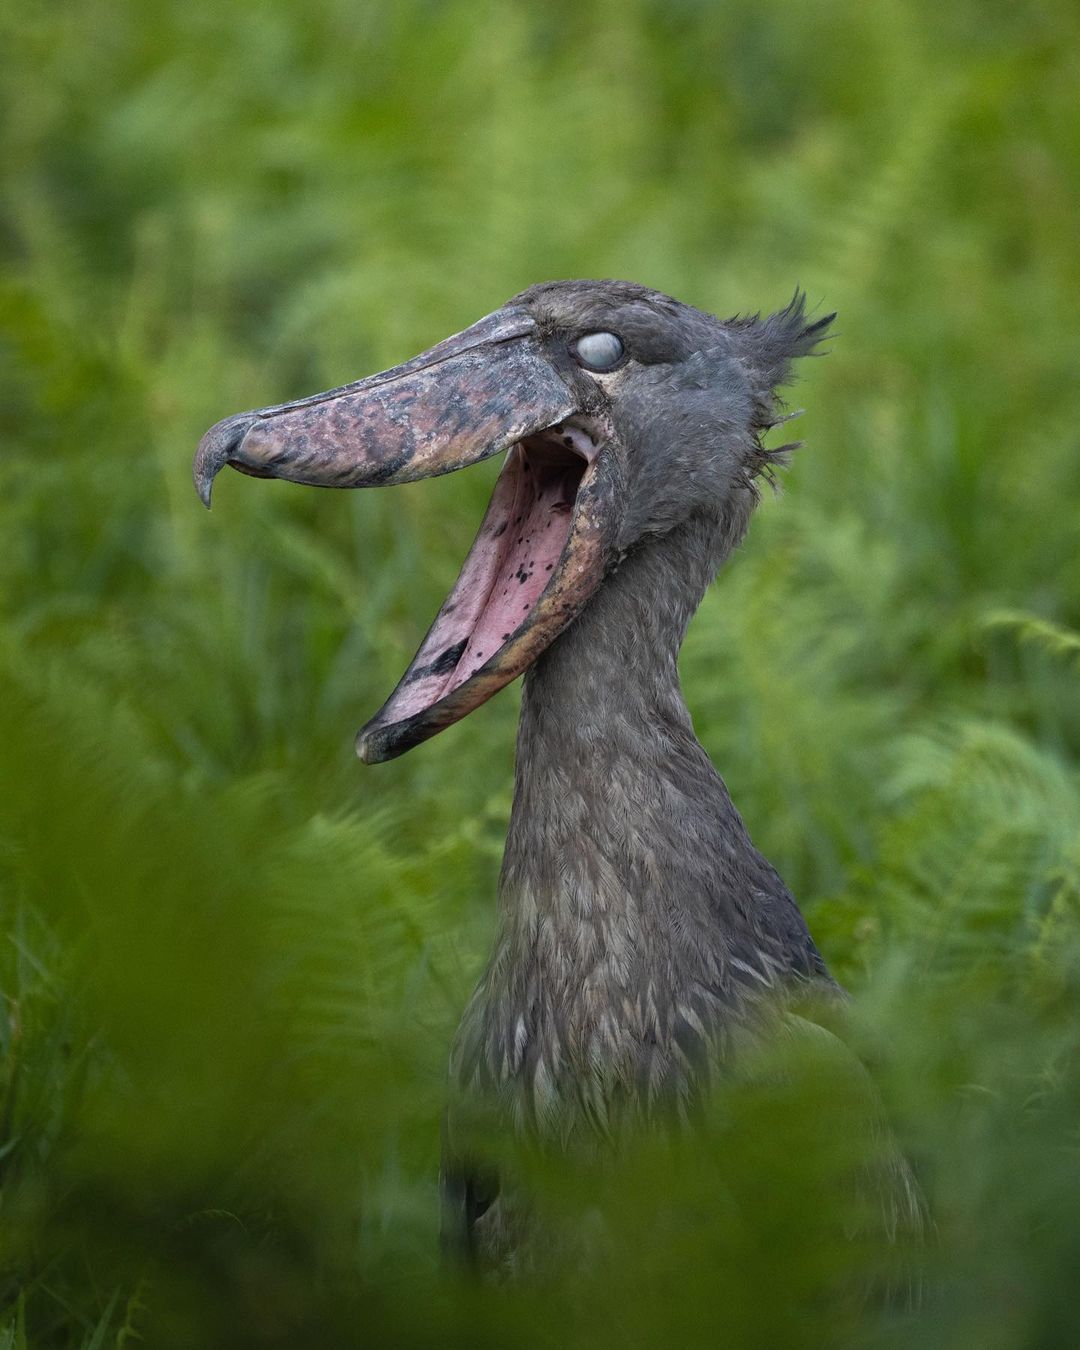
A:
[232,958]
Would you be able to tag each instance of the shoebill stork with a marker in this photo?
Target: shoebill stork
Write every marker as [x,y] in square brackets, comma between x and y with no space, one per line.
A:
[640,933]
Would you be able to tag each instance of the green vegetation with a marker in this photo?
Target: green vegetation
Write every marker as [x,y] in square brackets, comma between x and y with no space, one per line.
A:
[233,957]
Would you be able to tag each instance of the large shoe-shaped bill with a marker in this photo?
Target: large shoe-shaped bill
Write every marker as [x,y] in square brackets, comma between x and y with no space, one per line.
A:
[542,547]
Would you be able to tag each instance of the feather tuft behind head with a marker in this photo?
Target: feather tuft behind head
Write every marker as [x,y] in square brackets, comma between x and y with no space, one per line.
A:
[766,349]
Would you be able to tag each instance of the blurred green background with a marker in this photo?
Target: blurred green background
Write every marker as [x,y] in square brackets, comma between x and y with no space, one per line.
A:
[232,957]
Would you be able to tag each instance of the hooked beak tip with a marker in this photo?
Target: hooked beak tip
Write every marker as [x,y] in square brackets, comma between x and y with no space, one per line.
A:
[215,450]
[204,485]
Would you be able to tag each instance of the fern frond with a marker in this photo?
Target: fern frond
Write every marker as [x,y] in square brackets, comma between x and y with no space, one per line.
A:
[1054,638]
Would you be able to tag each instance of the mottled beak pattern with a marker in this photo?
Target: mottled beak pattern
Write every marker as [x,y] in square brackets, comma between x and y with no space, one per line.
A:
[465,399]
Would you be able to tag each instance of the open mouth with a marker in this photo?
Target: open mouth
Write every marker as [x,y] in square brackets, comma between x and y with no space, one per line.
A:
[541,549]
[535,547]
[519,545]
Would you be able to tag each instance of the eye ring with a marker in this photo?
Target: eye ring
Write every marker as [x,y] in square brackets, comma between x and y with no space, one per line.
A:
[600,351]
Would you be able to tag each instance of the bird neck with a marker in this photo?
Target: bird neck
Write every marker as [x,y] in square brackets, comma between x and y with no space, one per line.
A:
[611,682]
[634,909]
[609,775]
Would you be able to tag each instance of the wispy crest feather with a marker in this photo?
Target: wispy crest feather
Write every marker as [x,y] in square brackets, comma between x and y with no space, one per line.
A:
[766,349]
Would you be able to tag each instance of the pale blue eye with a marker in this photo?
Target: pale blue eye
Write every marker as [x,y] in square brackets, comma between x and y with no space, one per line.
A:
[599,351]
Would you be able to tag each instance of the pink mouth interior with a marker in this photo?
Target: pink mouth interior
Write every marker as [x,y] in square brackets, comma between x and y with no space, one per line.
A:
[512,560]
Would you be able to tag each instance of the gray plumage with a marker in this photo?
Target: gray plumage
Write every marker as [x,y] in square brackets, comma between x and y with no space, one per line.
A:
[642,941]
[641,937]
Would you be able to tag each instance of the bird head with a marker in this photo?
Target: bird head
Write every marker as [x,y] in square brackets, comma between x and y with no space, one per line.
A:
[622,414]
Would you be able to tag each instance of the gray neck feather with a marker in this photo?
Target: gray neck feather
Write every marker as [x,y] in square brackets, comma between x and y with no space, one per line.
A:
[637,922]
